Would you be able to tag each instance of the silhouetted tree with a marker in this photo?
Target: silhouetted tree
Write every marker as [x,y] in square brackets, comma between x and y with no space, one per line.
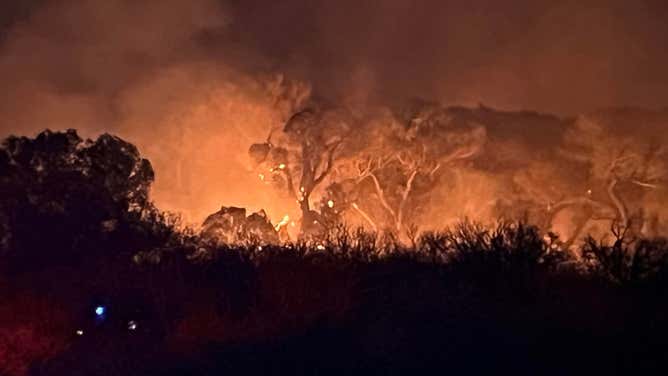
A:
[300,156]
[63,197]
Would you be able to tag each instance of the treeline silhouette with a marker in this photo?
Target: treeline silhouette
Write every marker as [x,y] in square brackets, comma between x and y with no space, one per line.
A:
[79,233]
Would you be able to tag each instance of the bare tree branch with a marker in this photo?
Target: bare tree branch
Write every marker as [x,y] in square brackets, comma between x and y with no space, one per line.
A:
[433,170]
[381,196]
[461,153]
[621,209]
[365,216]
[364,171]
[401,160]
[644,184]
[573,201]
[404,198]
[330,163]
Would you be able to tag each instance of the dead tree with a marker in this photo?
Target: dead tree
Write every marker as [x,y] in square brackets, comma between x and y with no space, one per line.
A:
[410,162]
[621,173]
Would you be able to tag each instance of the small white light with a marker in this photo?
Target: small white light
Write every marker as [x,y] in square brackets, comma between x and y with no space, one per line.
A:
[132,325]
[320,247]
[79,332]
[330,203]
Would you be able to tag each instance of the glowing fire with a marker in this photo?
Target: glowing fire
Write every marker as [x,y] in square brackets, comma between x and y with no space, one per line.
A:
[400,177]
[283,222]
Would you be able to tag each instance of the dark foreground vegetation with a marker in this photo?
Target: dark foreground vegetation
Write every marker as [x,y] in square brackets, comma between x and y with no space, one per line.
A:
[79,233]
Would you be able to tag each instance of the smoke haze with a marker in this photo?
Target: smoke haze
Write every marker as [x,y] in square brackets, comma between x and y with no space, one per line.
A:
[194,83]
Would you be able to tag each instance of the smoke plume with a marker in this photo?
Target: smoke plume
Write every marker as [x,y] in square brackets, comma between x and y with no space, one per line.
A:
[194,83]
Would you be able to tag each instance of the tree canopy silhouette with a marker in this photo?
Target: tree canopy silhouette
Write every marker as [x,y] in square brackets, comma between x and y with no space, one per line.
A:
[63,197]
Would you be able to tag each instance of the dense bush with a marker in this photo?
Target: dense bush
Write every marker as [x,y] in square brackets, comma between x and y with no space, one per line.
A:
[628,261]
[368,304]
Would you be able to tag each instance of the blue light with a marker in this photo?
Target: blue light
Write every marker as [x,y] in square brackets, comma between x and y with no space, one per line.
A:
[99,310]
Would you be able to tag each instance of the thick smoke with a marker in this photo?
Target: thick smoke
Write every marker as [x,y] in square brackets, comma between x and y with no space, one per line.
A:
[194,83]
[144,70]
[564,57]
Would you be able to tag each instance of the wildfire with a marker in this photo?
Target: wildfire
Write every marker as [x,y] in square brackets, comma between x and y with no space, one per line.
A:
[276,169]
[283,222]
[398,177]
